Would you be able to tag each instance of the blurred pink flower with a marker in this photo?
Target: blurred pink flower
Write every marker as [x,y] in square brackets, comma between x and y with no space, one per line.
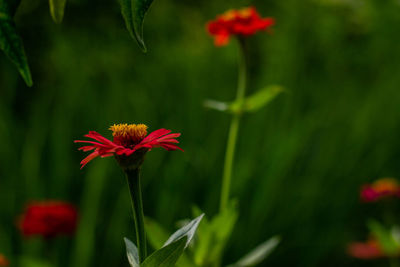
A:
[384,187]
[368,250]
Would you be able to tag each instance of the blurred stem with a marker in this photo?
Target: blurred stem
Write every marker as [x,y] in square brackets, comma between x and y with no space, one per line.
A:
[133,177]
[234,128]
[49,246]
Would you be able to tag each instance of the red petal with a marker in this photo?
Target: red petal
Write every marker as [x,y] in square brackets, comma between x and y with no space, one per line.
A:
[99,137]
[221,39]
[169,136]
[91,142]
[154,135]
[87,148]
[107,155]
[170,147]
[89,158]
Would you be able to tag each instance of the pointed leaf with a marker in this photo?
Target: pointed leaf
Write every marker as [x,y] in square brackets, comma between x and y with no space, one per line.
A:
[258,254]
[168,255]
[395,232]
[10,42]
[213,235]
[261,98]
[57,10]
[204,243]
[250,104]
[157,235]
[133,12]
[217,105]
[384,236]
[132,253]
[188,230]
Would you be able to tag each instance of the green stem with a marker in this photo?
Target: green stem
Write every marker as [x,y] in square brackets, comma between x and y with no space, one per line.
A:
[234,128]
[133,177]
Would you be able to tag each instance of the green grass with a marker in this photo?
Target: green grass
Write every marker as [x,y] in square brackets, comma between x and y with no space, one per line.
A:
[299,162]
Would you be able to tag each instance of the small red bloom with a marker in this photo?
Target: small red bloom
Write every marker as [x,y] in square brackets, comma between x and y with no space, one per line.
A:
[368,250]
[385,187]
[127,139]
[3,261]
[243,22]
[49,219]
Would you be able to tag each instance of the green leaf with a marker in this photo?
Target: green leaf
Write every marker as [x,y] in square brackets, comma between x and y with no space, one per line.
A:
[186,231]
[258,254]
[261,98]
[157,235]
[249,104]
[168,255]
[214,235]
[10,42]
[132,253]
[384,237]
[57,9]
[217,105]
[395,232]
[133,12]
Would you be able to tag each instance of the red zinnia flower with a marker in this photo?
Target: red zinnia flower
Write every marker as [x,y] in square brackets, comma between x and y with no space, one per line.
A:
[368,250]
[128,139]
[385,187]
[241,22]
[49,219]
[3,261]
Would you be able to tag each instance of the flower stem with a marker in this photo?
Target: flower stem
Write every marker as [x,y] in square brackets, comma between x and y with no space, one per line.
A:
[133,178]
[234,127]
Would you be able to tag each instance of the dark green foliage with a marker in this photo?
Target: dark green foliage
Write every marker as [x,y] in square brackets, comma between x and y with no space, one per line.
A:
[133,12]
[166,256]
[300,160]
[10,41]
[57,9]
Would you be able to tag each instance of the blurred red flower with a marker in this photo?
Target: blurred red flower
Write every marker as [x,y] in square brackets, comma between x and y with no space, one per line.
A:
[384,187]
[241,22]
[49,219]
[3,261]
[368,250]
[127,139]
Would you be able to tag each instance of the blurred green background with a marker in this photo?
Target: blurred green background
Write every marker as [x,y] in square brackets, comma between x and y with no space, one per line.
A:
[299,163]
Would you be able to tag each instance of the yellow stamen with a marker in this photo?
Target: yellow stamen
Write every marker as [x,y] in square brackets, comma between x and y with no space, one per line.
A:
[232,13]
[245,12]
[126,131]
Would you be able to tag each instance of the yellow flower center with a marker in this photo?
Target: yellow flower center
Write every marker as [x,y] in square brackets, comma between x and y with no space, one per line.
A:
[228,15]
[245,12]
[242,13]
[128,134]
